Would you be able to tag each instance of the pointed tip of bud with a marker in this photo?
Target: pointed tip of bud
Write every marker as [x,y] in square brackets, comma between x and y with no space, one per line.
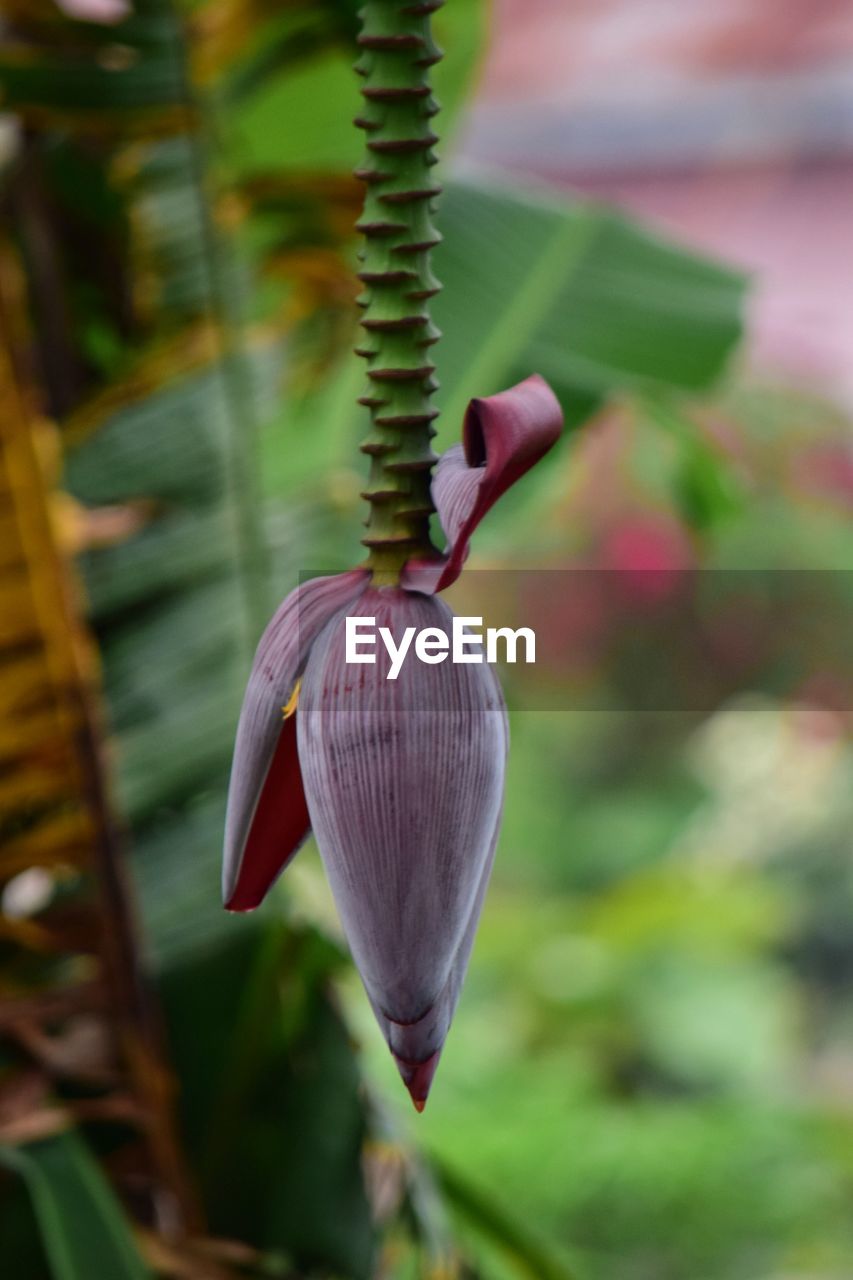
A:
[418,1078]
[237,907]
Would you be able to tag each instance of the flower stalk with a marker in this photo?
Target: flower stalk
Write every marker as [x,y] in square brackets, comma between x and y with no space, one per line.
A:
[397,52]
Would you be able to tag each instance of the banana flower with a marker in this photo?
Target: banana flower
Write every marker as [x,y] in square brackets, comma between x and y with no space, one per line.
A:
[400,780]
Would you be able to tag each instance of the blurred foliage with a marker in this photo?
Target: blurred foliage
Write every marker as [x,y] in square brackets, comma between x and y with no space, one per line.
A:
[81,1223]
[654,1054]
[649,1075]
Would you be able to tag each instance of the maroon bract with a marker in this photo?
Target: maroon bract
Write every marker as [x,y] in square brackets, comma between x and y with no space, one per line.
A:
[503,436]
[401,780]
[267,817]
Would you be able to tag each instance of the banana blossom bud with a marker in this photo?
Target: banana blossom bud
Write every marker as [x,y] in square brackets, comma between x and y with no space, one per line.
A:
[400,780]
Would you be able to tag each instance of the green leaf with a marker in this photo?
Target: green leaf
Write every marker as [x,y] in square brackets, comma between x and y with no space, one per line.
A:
[576,292]
[83,1227]
[705,483]
[531,1257]
[276,1095]
[128,68]
[562,287]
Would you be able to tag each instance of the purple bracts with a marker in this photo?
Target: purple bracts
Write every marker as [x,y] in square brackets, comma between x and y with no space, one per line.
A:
[401,780]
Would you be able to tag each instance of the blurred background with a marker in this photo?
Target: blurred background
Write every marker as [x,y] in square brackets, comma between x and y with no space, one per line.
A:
[650,1075]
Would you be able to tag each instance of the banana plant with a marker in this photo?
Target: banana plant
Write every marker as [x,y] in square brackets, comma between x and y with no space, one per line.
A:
[177,240]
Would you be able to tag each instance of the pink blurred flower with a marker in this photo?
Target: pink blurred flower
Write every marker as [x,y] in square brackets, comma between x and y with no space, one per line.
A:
[105,11]
[827,470]
[649,555]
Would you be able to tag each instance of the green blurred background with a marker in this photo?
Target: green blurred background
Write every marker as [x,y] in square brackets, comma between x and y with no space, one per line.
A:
[651,1069]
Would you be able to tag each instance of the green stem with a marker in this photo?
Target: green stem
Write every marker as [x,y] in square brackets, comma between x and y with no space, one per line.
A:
[397,53]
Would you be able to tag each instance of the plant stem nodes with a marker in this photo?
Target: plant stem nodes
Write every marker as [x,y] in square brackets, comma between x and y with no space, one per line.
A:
[397,54]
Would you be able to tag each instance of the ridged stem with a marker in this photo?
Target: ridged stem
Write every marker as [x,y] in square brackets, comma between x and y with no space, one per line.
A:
[397,53]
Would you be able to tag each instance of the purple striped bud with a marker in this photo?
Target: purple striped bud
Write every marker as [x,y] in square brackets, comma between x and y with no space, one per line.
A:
[401,779]
[404,782]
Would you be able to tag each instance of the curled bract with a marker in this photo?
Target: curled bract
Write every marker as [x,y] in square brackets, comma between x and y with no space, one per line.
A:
[503,436]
